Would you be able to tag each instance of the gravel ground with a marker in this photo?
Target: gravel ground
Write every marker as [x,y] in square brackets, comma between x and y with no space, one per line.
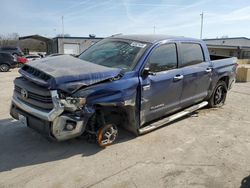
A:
[210,149]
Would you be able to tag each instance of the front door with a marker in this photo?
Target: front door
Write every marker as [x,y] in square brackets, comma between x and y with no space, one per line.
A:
[161,89]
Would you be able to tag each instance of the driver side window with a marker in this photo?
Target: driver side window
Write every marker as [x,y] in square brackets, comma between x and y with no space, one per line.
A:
[163,58]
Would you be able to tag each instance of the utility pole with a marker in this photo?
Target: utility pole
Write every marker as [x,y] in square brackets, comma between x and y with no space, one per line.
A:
[62,27]
[54,32]
[202,14]
[154,29]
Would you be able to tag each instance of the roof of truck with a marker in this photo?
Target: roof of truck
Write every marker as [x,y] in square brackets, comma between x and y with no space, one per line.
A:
[153,38]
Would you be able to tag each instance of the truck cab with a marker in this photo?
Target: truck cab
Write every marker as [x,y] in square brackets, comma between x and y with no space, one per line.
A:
[139,82]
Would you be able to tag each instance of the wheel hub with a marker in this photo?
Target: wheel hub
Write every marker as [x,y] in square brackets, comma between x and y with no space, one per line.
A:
[219,94]
[107,135]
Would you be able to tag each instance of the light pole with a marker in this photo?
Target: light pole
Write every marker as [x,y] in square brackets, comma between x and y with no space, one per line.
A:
[62,27]
[154,29]
[54,32]
[202,14]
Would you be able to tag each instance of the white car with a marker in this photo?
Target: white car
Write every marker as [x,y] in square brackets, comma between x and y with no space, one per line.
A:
[32,57]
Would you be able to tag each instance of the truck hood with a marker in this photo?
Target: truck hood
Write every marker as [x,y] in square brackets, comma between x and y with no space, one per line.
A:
[67,73]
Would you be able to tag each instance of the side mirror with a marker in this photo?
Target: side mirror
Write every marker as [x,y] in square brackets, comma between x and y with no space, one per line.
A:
[147,72]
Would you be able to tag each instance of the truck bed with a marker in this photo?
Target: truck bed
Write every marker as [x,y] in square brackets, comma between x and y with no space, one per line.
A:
[222,61]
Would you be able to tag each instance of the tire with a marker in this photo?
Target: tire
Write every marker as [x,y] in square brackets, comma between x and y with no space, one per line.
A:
[219,95]
[107,135]
[4,68]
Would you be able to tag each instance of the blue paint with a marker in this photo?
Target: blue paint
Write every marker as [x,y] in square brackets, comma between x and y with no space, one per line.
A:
[164,96]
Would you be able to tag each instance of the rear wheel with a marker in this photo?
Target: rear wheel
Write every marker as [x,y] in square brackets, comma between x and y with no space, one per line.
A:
[107,135]
[219,95]
[4,68]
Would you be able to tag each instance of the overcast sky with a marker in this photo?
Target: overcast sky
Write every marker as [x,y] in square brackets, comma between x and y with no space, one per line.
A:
[107,17]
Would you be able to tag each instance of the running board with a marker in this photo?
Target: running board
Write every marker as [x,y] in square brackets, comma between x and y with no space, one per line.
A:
[171,118]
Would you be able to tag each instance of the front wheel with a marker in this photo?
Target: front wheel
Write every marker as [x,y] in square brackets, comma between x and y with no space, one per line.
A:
[4,68]
[107,135]
[219,95]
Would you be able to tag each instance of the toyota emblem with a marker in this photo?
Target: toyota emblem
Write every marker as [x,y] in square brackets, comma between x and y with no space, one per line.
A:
[24,93]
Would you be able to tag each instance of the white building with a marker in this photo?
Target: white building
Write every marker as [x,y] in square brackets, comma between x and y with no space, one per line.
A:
[231,47]
[65,45]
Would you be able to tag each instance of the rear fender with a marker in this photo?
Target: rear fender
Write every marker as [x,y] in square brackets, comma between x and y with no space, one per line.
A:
[216,79]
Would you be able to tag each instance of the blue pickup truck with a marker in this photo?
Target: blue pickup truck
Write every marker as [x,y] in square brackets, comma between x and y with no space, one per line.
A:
[139,82]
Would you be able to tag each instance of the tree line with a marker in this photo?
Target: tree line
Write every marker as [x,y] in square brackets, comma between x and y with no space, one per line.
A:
[12,39]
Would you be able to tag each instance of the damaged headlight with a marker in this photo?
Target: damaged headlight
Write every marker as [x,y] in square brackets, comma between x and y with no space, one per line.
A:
[76,101]
[73,103]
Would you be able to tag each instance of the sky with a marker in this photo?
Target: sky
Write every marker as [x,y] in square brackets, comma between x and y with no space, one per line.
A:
[107,17]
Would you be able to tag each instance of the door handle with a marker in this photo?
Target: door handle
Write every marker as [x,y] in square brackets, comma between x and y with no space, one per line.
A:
[178,77]
[208,70]
[146,87]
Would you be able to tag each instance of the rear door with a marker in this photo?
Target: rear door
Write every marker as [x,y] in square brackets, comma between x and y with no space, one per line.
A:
[161,91]
[196,73]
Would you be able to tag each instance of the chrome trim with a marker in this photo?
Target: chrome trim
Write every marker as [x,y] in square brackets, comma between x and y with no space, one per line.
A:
[178,77]
[208,70]
[45,115]
[59,124]
[55,116]
[171,118]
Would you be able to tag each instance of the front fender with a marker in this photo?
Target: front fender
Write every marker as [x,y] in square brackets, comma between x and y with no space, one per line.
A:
[121,95]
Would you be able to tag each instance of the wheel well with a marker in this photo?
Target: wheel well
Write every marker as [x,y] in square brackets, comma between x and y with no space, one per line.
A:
[225,79]
[4,64]
[124,117]
[106,115]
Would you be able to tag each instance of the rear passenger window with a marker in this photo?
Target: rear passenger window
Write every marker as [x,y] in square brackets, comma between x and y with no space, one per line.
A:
[191,54]
[163,58]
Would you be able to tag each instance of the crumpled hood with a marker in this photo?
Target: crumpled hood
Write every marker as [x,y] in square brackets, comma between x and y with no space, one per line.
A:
[68,73]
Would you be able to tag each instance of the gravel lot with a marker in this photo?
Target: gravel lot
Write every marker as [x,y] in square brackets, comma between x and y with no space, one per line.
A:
[210,149]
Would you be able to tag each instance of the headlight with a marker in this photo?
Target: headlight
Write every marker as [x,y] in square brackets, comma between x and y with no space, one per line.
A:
[73,103]
[76,101]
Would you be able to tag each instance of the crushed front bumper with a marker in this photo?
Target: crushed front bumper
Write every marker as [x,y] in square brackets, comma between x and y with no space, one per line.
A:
[55,122]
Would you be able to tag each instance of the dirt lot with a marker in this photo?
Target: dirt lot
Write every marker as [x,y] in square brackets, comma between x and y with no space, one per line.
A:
[208,150]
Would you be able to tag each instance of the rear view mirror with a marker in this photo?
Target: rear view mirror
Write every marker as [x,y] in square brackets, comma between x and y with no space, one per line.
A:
[147,72]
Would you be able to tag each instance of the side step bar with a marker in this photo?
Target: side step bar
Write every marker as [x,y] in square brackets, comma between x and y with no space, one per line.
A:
[171,118]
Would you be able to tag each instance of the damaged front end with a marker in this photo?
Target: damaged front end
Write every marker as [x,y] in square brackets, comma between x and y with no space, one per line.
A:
[67,119]
[63,107]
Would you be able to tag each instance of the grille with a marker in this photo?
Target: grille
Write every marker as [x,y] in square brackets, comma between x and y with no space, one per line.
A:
[34,96]
[37,96]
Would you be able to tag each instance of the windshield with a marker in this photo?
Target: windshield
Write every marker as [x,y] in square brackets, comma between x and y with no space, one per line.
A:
[115,53]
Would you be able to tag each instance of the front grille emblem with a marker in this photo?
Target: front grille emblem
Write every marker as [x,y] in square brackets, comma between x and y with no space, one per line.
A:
[24,93]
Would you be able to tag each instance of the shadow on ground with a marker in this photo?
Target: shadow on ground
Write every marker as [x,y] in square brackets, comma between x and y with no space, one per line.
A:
[21,146]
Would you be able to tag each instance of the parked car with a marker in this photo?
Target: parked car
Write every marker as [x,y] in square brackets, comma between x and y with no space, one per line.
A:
[7,62]
[140,82]
[53,55]
[42,55]
[21,60]
[32,57]
[12,50]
